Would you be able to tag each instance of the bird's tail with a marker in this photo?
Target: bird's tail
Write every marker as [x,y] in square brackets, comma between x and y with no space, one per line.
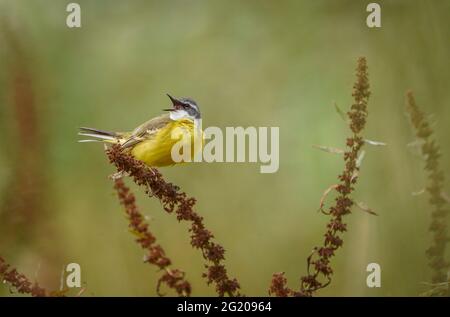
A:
[98,135]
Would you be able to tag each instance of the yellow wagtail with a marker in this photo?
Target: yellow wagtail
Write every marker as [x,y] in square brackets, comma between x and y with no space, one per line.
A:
[152,141]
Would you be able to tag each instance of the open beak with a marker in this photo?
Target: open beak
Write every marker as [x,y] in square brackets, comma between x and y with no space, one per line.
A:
[175,102]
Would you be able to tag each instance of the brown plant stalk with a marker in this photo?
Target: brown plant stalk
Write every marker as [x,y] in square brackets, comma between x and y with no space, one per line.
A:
[25,145]
[174,278]
[430,150]
[319,270]
[19,281]
[175,201]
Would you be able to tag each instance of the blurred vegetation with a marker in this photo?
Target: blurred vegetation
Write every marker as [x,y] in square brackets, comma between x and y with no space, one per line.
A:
[252,63]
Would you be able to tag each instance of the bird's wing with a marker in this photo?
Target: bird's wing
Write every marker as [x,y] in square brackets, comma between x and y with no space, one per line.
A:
[145,131]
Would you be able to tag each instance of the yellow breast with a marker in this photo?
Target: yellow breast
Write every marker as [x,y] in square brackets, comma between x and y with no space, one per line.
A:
[156,151]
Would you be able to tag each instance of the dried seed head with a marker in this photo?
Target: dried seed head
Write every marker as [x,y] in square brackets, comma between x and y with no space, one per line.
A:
[175,201]
[318,263]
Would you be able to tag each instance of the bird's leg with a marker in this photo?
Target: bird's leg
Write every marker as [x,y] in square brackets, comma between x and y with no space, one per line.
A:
[150,191]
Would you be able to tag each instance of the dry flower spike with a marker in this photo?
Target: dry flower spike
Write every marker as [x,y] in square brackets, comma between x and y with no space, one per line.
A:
[175,201]
[319,270]
[173,278]
[20,282]
[430,151]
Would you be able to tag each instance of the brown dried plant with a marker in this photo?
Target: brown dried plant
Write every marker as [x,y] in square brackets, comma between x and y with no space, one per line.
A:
[174,278]
[319,270]
[175,201]
[23,200]
[19,281]
[24,145]
[430,151]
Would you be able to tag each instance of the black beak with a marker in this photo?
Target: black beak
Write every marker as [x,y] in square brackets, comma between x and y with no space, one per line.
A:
[175,102]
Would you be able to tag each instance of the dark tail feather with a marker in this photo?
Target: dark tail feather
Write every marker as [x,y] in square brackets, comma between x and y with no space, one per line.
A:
[99,132]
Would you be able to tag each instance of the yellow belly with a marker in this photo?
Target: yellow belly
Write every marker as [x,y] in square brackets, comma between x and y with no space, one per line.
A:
[157,150]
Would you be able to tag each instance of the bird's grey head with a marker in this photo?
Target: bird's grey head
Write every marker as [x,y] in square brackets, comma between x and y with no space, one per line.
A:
[183,108]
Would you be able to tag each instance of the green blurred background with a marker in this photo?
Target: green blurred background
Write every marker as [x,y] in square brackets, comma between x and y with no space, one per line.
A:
[247,63]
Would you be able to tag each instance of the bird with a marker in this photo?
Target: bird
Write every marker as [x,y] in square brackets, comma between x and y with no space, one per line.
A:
[152,141]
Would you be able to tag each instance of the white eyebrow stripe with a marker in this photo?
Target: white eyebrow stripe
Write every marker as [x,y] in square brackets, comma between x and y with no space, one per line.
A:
[191,104]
